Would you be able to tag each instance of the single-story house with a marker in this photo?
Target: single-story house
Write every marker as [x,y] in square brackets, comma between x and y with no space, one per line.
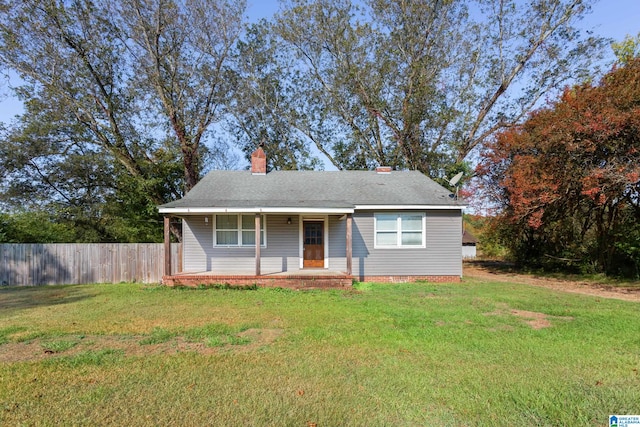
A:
[312,227]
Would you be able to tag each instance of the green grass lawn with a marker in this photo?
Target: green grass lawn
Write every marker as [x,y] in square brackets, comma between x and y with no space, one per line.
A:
[470,354]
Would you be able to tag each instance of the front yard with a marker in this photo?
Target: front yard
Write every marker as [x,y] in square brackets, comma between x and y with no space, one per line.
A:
[471,354]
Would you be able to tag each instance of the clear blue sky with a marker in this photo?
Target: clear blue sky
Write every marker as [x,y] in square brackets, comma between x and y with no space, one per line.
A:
[614,18]
[610,18]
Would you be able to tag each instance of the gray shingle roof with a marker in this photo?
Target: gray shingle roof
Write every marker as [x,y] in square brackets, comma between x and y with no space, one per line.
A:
[314,189]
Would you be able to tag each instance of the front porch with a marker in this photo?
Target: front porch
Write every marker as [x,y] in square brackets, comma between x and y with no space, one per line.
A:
[290,250]
[303,279]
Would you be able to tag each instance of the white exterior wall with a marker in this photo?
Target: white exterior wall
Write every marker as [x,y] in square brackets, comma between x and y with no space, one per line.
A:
[468,251]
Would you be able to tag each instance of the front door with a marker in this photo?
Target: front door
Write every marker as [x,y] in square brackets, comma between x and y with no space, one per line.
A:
[313,247]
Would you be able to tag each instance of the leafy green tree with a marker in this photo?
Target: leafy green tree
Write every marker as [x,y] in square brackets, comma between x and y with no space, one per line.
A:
[180,54]
[33,227]
[47,166]
[627,49]
[264,102]
[116,95]
[421,84]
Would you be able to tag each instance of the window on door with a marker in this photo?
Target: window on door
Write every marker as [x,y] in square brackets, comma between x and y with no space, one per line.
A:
[313,233]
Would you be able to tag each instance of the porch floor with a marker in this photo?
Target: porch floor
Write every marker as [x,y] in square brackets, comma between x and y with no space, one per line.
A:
[302,279]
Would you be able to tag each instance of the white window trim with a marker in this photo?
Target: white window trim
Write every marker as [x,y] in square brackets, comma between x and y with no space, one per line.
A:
[263,223]
[398,231]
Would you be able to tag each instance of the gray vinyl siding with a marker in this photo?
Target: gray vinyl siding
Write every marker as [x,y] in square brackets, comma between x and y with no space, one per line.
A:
[281,253]
[337,243]
[442,255]
[195,239]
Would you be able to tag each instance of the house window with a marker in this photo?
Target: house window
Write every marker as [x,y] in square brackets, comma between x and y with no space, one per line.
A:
[399,230]
[238,230]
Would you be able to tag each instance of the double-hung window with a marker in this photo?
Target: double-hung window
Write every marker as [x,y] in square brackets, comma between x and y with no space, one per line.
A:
[395,230]
[237,230]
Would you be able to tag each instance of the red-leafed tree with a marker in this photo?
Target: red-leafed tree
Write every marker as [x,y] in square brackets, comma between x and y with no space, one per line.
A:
[568,180]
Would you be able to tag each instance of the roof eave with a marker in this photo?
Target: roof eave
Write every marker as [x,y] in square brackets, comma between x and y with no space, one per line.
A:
[409,207]
[333,210]
[212,210]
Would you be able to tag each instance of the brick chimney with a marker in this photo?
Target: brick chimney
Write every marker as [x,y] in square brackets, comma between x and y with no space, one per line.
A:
[383,169]
[258,162]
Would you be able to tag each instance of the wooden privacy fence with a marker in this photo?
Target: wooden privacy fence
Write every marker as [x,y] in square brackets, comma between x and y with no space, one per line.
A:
[75,263]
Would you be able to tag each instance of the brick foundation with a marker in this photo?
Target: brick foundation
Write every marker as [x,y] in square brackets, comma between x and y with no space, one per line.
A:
[297,281]
[291,282]
[410,279]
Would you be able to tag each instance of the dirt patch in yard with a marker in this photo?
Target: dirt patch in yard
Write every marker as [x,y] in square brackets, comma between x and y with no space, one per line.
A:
[532,318]
[38,349]
[496,272]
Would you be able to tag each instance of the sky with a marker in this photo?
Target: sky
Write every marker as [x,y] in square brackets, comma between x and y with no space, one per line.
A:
[610,18]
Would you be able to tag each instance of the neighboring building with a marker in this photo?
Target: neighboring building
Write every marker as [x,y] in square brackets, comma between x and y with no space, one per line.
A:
[469,243]
[314,225]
